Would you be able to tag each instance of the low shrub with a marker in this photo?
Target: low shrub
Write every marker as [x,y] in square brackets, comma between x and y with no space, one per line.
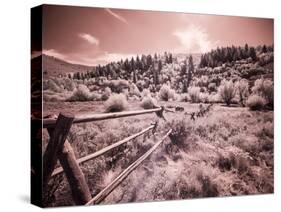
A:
[212,87]
[265,89]
[256,102]
[179,133]
[214,98]
[204,97]
[118,85]
[82,93]
[165,93]
[133,90]
[184,98]
[106,94]
[227,91]
[148,102]
[242,88]
[116,103]
[194,94]
[145,92]
[53,86]
[69,84]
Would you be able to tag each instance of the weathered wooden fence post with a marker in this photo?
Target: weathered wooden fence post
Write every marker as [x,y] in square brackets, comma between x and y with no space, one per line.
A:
[62,150]
[76,179]
[54,148]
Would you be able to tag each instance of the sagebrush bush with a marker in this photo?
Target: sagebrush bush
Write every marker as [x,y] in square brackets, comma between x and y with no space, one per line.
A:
[106,94]
[133,90]
[184,97]
[242,88]
[212,87]
[145,92]
[117,85]
[204,97]
[69,84]
[82,93]
[165,93]
[214,98]
[232,161]
[194,94]
[116,103]
[148,102]
[52,85]
[179,133]
[265,89]
[256,102]
[227,91]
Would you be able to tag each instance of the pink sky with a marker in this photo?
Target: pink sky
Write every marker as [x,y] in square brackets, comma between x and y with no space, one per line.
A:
[94,36]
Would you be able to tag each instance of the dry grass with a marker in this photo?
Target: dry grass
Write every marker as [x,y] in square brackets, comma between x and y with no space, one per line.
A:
[212,156]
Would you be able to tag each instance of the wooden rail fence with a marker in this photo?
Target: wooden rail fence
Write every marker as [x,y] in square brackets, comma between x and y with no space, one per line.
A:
[59,148]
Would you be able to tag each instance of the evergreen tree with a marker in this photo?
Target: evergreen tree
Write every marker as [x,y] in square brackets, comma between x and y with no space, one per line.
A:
[78,76]
[252,53]
[170,58]
[264,49]
[246,51]
[183,74]
[134,76]
[190,70]
[155,70]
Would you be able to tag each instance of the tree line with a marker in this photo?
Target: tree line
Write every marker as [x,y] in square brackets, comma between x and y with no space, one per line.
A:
[128,68]
[222,55]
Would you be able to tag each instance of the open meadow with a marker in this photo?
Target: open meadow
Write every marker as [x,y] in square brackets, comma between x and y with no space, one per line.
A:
[227,152]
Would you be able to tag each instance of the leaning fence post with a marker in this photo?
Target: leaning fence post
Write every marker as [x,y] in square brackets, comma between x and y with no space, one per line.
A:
[55,145]
[76,179]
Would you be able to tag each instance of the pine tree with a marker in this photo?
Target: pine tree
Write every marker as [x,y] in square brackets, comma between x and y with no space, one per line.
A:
[264,49]
[183,74]
[155,69]
[78,76]
[170,58]
[190,70]
[246,51]
[252,53]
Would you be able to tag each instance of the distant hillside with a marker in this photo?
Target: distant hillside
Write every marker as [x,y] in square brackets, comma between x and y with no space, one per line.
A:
[54,67]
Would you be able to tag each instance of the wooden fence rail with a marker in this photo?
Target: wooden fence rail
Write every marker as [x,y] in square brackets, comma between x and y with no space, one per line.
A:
[106,149]
[109,188]
[50,123]
[60,149]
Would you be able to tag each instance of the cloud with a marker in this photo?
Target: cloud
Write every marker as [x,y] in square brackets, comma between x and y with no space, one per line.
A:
[115,15]
[105,58]
[111,57]
[194,39]
[89,38]
[88,59]
[54,53]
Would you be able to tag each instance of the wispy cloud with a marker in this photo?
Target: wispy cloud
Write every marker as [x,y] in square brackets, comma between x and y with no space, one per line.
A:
[89,38]
[89,59]
[115,15]
[112,57]
[194,39]
[54,53]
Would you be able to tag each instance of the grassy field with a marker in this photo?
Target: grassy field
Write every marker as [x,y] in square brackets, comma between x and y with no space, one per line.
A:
[228,152]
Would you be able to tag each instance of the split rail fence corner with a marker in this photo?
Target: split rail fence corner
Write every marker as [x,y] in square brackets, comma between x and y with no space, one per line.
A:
[60,149]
